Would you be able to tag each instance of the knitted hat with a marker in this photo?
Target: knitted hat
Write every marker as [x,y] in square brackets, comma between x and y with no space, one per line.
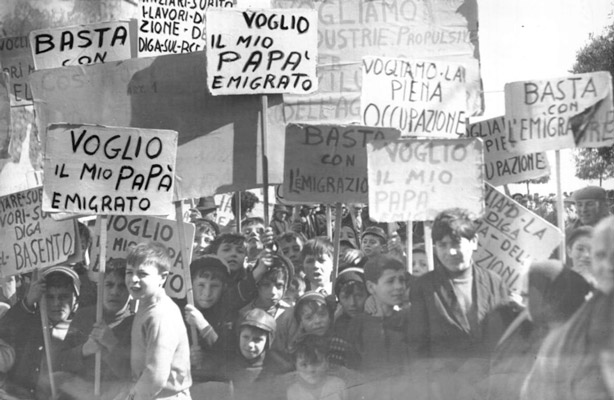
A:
[376,231]
[590,193]
[60,269]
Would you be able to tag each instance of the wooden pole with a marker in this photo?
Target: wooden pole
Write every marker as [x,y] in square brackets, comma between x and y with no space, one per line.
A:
[560,207]
[409,232]
[186,255]
[238,210]
[265,159]
[428,244]
[46,338]
[329,221]
[100,298]
[336,236]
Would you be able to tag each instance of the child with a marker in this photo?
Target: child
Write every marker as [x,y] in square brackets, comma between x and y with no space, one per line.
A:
[231,248]
[253,230]
[313,380]
[271,288]
[318,264]
[296,289]
[351,291]
[160,353]
[206,232]
[280,222]
[419,262]
[373,241]
[291,245]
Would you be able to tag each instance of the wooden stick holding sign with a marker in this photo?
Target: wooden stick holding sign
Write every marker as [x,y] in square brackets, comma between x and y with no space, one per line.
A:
[560,207]
[187,277]
[428,244]
[46,338]
[100,298]
[337,239]
[329,221]
[409,232]
[265,159]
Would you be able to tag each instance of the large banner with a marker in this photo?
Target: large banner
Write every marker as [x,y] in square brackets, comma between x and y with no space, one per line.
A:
[421,98]
[30,238]
[510,238]
[219,136]
[83,44]
[414,180]
[328,163]
[348,30]
[125,231]
[93,169]
[502,165]
[262,51]
[16,60]
[567,112]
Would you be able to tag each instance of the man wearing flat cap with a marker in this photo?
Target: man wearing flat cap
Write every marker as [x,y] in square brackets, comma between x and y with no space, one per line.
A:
[591,206]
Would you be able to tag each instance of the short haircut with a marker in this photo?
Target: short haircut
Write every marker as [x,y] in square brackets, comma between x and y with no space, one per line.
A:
[454,222]
[232,238]
[116,266]
[251,221]
[318,246]
[150,253]
[281,267]
[206,225]
[59,280]
[577,233]
[291,236]
[210,267]
[312,349]
[375,266]
[248,202]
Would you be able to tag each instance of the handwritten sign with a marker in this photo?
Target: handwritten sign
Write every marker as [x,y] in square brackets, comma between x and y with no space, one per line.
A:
[572,111]
[328,163]
[510,237]
[418,178]
[348,30]
[174,27]
[29,237]
[425,98]
[125,231]
[261,51]
[170,92]
[83,44]
[100,170]
[501,164]
[16,60]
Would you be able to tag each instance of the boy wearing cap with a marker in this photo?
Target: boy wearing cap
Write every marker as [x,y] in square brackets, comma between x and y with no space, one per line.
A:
[373,241]
[21,327]
[352,293]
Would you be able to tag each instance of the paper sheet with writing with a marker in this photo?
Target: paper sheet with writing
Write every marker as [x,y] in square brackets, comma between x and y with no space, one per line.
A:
[328,163]
[415,179]
[560,113]
[502,165]
[125,231]
[30,238]
[261,51]
[16,60]
[93,169]
[419,97]
[511,237]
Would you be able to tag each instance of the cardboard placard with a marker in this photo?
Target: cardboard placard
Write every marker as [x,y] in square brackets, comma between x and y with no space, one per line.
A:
[415,179]
[511,237]
[16,60]
[421,98]
[262,51]
[100,170]
[83,44]
[29,237]
[219,136]
[174,27]
[125,231]
[328,163]
[348,30]
[566,112]
[501,164]
[5,117]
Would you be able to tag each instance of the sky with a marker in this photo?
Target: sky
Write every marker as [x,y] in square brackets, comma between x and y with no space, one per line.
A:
[536,39]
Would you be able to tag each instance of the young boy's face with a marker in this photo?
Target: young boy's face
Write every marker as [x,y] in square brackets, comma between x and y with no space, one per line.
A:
[60,303]
[233,254]
[419,264]
[202,240]
[292,249]
[371,245]
[144,280]
[253,232]
[252,342]
[318,269]
[207,291]
[115,293]
[315,320]
[271,292]
[312,373]
[352,299]
[390,287]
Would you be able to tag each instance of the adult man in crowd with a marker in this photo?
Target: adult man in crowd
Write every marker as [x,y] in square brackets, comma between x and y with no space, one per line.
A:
[591,206]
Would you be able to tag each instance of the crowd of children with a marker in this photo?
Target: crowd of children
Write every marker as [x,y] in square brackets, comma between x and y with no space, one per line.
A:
[271,319]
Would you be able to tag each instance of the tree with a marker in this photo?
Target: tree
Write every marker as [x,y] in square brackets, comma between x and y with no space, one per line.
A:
[598,55]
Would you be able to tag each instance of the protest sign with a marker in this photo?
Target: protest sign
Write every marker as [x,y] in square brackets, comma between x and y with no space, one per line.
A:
[501,164]
[124,231]
[413,180]
[5,116]
[219,136]
[554,114]
[100,170]
[174,27]
[328,163]
[510,237]
[261,51]
[424,98]
[349,30]
[16,60]
[30,238]
[83,44]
